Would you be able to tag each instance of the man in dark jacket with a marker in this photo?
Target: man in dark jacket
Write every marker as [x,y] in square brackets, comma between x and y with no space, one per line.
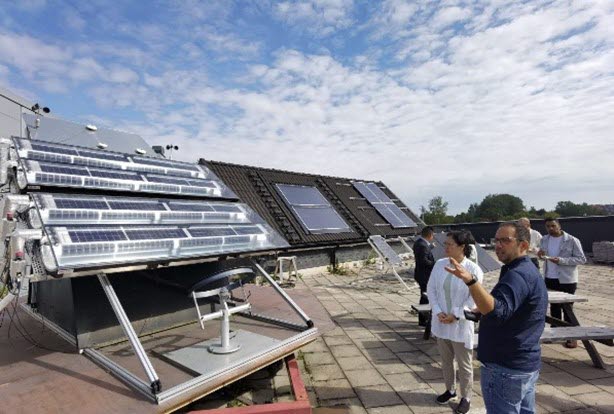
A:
[424,264]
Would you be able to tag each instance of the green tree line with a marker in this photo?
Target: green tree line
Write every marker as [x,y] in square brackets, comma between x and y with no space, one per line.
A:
[498,207]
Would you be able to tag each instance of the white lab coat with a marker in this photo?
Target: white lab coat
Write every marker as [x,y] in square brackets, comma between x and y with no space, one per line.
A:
[462,330]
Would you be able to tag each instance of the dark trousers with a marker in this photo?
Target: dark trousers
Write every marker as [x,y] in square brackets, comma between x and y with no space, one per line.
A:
[424,299]
[554,284]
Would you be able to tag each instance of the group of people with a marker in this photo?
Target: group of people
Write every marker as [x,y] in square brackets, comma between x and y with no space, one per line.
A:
[512,314]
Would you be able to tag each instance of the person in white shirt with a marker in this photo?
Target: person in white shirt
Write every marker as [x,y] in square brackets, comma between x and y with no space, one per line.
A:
[449,298]
[536,239]
[562,253]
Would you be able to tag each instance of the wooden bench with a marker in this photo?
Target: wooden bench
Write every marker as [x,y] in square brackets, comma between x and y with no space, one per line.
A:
[564,332]
[550,335]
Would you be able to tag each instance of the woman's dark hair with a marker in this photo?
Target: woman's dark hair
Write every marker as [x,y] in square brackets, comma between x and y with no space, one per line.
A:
[462,238]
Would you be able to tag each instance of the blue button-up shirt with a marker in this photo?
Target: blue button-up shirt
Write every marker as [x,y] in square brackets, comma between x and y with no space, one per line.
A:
[509,335]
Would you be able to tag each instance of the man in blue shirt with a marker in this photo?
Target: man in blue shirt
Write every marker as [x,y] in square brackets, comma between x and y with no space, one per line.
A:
[513,321]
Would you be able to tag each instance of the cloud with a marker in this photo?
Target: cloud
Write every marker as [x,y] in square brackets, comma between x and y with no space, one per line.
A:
[451,98]
[319,17]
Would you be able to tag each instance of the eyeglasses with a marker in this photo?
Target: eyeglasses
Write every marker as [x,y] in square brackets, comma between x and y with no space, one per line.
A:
[504,240]
[449,244]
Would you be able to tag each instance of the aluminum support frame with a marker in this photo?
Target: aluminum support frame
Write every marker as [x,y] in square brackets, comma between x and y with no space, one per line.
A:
[386,262]
[285,296]
[154,381]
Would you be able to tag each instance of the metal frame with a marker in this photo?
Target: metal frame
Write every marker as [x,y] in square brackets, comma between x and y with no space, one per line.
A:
[203,384]
[154,381]
[301,405]
[285,296]
[391,265]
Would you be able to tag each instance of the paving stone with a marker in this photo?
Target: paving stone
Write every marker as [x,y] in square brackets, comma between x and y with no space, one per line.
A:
[354,363]
[318,358]
[338,340]
[399,346]
[333,389]
[353,405]
[414,358]
[380,354]
[316,346]
[397,409]
[327,373]
[378,396]
[345,351]
[584,371]
[365,377]
[554,399]
[602,401]
[406,381]
[392,367]
[567,383]
[423,401]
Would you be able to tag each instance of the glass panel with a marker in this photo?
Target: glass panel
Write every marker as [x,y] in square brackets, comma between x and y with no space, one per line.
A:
[300,195]
[321,219]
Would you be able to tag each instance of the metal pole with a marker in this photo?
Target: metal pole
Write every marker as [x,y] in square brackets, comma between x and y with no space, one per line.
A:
[129,331]
[284,295]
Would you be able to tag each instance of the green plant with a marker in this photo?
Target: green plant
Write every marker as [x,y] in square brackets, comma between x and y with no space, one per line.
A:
[338,269]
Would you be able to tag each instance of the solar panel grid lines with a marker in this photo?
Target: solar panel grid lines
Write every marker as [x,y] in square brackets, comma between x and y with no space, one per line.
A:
[95,235]
[124,172]
[313,210]
[384,205]
[155,234]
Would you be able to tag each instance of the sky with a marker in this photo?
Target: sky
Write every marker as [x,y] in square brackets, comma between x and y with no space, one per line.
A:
[459,99]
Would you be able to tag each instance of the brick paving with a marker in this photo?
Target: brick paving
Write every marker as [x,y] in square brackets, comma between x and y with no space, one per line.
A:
[375,360]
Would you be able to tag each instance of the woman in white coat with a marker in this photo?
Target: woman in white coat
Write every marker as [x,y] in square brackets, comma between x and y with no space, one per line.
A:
[449,298]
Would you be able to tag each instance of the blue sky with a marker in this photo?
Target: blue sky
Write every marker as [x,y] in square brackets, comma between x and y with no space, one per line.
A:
[453,98]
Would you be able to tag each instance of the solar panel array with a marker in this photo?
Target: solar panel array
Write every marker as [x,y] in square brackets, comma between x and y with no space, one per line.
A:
[384,205]
[312,209]
[48,164]
[97,231]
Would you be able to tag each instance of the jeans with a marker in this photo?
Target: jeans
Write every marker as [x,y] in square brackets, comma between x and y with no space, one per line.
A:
[508,391]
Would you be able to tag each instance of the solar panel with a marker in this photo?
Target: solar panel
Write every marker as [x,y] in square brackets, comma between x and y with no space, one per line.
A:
[66,203]
[166,163]
[53,148]
[136,205]
[212,232]
[87,231]
[52,174]
[89,235]
[312,209]
[155,234]
[189,207]
[385,250]
[194,179]
[384,205]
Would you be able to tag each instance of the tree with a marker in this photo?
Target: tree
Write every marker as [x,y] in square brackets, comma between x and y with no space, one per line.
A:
[437,211]
[569,209]
[497,207]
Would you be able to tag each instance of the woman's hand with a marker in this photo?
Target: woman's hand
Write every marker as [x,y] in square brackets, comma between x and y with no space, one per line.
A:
[448,319]
[441,316]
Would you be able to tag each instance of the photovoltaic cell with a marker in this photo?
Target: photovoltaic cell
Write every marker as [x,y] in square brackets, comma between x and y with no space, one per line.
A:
[68,203]
[62,169]
[115,175]
[301,195]
[312,209]
[136,205]
[211,231]
[89,236]
[384,205]
[155,234]
[53,149]
[189,207]
[166,163]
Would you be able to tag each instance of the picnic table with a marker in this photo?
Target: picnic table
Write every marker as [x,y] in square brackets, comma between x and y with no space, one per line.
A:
[560,330]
